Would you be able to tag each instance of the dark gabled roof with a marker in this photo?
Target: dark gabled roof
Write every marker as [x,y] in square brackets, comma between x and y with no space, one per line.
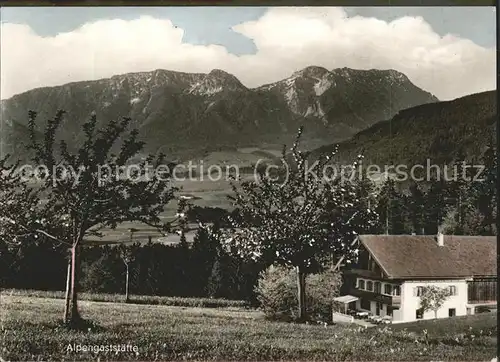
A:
[414,256]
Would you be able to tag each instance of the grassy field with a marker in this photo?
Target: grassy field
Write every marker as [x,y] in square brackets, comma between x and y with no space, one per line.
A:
[205,193]
[31,331]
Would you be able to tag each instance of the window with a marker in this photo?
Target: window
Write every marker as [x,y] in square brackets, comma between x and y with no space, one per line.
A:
[452,290]
[377,287]
[418,291]
[396,291]
[452,312]
[369,286]
[388,289]
[419,313]
[361,284]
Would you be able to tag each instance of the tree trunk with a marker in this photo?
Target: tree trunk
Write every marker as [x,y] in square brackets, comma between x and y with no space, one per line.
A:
[67,297]
[74,314]
[435,314]
[126,285]
[387,219]
[301,294]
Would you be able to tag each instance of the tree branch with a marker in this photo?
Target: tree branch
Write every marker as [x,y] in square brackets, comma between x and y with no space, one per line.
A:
[31,231]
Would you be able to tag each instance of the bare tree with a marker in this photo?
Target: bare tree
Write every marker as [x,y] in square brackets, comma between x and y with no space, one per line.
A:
[127,255]
[433,298]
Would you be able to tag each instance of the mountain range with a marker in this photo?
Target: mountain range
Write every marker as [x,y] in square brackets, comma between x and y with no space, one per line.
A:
[437,133]
[187,113]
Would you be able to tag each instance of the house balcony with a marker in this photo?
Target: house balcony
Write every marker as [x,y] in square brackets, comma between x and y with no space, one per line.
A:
[392,300]
[482,291]
[363,273]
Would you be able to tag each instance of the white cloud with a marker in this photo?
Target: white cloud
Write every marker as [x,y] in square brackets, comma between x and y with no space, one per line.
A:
[287,39]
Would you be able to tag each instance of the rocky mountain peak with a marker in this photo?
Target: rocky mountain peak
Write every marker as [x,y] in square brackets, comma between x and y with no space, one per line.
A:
[220,74]
[312,72]
[215,82]
[389,74]
[397,76]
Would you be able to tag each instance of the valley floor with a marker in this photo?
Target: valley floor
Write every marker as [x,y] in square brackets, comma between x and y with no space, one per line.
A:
[30,331]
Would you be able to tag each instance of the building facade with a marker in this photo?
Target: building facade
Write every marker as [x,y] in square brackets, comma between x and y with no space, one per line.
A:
[390,273]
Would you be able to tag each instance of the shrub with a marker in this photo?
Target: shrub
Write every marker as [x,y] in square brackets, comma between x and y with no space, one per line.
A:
[136,299]
[97,276]
[277,294]
[322,288]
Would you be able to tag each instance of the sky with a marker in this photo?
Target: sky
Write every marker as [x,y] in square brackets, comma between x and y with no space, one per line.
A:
[448,51]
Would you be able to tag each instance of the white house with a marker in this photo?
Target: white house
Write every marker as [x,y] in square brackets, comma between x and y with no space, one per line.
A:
[391,270]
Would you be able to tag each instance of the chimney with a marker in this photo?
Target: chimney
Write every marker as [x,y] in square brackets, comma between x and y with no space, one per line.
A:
[440,238]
